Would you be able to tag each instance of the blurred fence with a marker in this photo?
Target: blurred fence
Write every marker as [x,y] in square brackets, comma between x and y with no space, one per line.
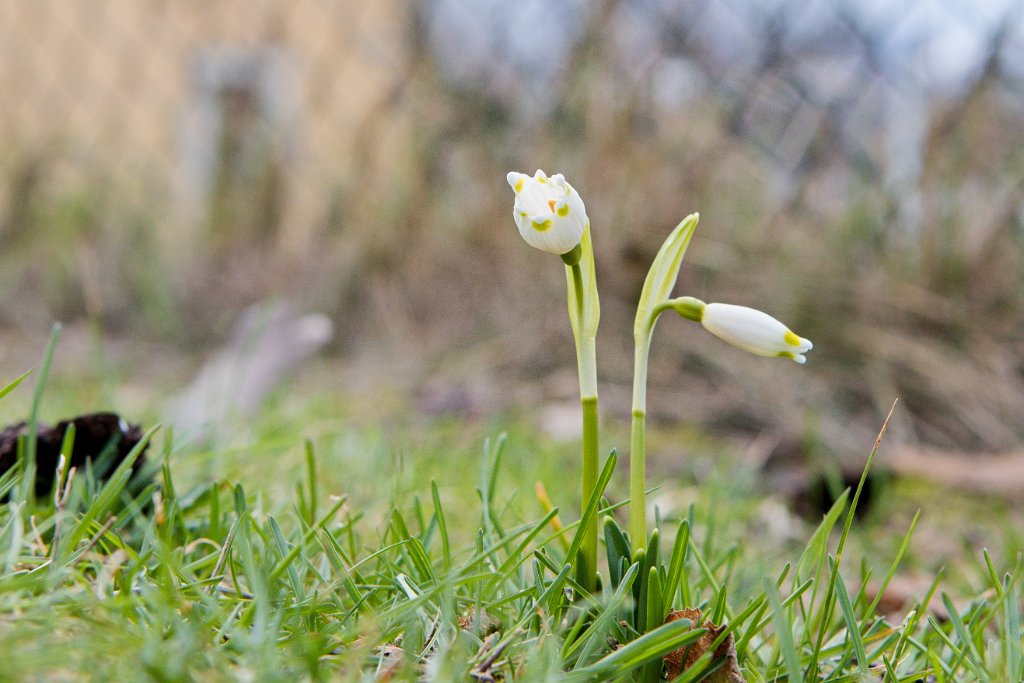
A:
[860,163]
[183,108]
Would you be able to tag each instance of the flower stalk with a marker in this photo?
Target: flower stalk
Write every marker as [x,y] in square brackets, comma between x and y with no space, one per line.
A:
[661,278]
[745,328]
[584,312]
[551,216]
[638,457]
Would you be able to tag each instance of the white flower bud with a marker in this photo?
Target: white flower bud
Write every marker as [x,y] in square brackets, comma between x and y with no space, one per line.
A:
[548,212]
[754,331]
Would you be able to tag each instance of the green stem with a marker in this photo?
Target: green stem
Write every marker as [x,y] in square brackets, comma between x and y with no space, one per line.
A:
[586,356]
[637,479]
[577,284]
[588,551]
[638,447]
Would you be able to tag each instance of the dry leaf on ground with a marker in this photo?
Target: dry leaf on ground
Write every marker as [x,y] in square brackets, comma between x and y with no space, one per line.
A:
[682,659]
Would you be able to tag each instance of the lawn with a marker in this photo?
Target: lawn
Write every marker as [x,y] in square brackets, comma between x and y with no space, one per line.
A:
[315,543]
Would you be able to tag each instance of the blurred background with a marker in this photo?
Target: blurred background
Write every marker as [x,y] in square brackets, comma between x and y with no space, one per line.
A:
[858,166]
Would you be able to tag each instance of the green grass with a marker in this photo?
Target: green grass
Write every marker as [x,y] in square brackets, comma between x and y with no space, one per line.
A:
[407,549]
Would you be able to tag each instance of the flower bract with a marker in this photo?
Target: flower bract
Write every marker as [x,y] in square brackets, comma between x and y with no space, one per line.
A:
[549,213]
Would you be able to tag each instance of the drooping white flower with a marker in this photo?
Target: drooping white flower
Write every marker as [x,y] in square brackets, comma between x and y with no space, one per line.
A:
[548,212]
[754,331]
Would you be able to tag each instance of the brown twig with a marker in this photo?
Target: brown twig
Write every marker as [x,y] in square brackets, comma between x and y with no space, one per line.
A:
[95,539]
[483,671]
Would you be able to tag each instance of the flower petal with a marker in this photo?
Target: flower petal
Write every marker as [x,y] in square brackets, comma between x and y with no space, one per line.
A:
[754,331]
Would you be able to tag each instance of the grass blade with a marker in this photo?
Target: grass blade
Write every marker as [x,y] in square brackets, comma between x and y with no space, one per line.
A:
[28,456]
[592,636]
[852,627]
[825,614]
[647,648]
[590,512]
[441,525]
[784,631]
[676,563]
[14,385]
[1011,632]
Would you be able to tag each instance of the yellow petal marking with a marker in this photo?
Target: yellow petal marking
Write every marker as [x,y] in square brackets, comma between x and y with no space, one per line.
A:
[541,226]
